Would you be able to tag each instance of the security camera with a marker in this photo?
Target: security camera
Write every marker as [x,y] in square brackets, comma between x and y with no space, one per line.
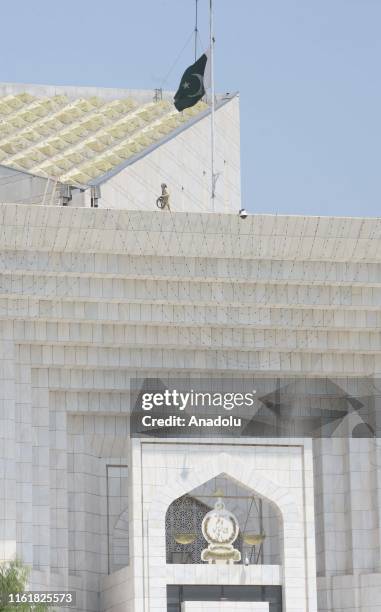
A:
[243,213]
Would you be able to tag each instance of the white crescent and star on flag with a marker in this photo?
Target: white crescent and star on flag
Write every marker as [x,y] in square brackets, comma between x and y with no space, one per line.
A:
[186,85]
[194,82]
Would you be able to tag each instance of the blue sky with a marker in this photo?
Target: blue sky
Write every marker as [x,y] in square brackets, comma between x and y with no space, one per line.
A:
[308,74]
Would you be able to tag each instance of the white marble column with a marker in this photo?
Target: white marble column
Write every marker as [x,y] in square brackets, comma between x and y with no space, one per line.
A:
[7,444]
[24,437]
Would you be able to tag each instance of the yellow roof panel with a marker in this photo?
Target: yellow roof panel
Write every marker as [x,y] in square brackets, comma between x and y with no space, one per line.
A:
[76,140]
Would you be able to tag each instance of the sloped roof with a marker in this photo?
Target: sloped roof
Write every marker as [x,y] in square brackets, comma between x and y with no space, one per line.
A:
[78,139]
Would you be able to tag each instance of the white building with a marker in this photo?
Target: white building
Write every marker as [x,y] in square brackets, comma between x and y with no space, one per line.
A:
[92,298]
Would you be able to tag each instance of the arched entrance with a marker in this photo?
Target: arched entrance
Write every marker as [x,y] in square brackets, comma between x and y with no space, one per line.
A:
[260,538]
[279,475]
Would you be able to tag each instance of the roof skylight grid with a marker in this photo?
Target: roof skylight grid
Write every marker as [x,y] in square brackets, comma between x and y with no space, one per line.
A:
[76,141]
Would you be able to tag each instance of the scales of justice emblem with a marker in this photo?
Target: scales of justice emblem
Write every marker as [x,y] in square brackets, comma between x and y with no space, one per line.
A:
[220,529]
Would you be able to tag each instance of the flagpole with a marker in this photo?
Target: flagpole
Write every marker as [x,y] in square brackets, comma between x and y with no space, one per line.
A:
[196,32]
[211,40]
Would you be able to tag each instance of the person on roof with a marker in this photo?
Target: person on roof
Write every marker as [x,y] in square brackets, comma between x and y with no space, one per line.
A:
[162,201]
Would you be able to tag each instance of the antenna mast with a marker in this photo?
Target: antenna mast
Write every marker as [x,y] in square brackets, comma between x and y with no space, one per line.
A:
[196,32]
[212,41]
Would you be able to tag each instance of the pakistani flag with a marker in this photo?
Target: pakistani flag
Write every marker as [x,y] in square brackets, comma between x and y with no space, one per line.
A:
[193,84]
